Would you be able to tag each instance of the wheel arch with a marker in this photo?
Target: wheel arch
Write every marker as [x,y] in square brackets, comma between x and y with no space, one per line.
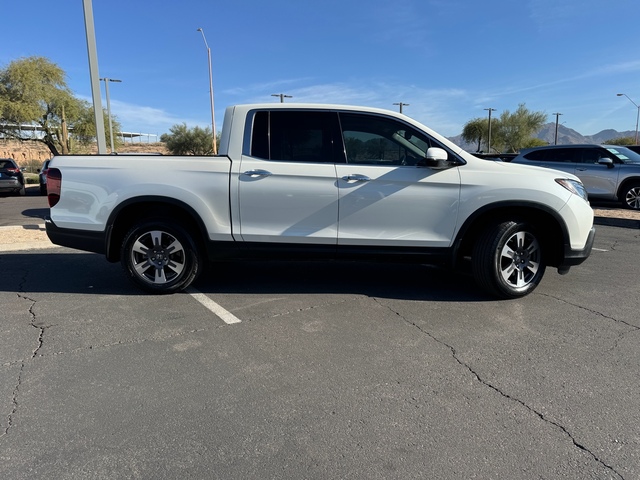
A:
[624,186]
[547,222]
[136,209]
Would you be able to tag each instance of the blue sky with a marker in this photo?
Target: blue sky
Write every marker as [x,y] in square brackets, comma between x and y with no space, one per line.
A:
[447,59]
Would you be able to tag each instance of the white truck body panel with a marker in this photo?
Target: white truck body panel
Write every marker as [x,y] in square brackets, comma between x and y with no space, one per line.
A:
[384,184]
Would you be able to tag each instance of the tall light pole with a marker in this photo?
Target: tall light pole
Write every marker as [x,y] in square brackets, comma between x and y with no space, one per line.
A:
[213,116]
[555,142]
[401,105]
[282,96]
[637,116]
[106,81]
[489,139]
[93,74]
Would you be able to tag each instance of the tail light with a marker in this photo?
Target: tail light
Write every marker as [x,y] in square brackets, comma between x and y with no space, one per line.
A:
[54,183]
[13,170]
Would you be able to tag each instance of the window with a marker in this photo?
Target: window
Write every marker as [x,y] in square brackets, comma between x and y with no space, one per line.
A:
[376,140]
[295,136]
[563,155]
[537,155]
[591,155]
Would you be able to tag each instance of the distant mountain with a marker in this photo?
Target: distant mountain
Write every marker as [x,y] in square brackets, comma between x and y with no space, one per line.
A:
[566,136]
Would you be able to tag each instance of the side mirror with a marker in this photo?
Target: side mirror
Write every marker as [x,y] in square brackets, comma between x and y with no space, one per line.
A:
[436,158]
[606,161]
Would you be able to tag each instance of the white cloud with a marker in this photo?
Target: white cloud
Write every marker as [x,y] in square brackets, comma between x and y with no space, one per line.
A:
[137,117]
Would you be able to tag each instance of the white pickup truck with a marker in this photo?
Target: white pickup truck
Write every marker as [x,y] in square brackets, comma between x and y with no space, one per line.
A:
[304,181]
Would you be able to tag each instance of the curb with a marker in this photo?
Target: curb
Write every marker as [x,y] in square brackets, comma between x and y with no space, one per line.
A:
[24,237]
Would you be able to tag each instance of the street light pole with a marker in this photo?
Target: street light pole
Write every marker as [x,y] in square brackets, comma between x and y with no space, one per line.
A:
[213,117]
[401,105]
[106,81]
[555,142]
[282,96]
[489,139]
[93,75]
[637,116]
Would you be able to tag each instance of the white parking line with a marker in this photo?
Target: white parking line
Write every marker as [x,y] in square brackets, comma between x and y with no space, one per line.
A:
[600,249]
[226,316]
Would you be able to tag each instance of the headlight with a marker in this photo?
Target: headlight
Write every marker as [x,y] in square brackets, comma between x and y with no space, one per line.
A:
[573,186]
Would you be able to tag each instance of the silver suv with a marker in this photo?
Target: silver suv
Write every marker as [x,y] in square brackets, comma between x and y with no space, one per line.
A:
[608,172]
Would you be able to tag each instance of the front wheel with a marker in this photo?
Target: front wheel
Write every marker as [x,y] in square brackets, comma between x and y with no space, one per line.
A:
[159,256]
[631,196]
[508,259]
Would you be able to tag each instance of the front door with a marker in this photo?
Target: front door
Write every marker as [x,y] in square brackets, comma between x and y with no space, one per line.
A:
[387,198]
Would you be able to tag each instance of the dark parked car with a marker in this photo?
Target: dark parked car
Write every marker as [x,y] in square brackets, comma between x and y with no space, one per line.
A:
[635,148]
[11,177]
[42,177]
[608,172]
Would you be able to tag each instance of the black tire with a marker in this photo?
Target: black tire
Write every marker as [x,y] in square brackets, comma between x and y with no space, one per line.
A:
[43,189]
[23,191]
[159,256]
[631,196]
[508,259]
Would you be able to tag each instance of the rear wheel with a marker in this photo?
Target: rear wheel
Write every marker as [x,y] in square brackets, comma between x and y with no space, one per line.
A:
[508,259]
[159,256]
[631,196]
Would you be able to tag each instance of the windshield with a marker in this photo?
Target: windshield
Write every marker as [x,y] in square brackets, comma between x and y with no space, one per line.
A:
[625,155]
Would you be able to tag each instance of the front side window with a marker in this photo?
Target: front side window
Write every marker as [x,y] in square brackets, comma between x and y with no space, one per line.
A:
[294,136]
[374,140]
[592,155]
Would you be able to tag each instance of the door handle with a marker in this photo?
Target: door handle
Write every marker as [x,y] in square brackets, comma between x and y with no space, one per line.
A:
[257,173]
[356,178]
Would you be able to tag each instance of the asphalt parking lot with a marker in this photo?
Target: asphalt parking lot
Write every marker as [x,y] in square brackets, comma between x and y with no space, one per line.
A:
[318,370]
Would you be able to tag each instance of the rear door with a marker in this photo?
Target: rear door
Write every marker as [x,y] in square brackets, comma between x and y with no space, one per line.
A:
[286,179]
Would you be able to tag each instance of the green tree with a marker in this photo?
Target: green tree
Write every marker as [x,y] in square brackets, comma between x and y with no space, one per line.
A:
[84,130]
[514,131]
[620,141]
[476,130]
[534,142]
[33,91]
[188,141]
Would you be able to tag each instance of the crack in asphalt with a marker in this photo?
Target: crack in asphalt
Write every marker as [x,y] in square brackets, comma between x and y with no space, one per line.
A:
[16,390]
[303,309]
[133,342]
[486,383]
[634,328]
[590,310]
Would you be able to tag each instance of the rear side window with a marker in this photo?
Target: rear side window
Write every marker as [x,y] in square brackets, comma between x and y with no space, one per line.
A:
[560,155]
[295,136]
[536,155]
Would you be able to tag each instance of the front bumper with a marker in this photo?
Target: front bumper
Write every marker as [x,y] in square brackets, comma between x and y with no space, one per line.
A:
[576,257]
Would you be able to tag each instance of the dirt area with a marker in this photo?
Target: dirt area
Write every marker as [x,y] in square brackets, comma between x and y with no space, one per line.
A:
[31,154]
[615,212]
